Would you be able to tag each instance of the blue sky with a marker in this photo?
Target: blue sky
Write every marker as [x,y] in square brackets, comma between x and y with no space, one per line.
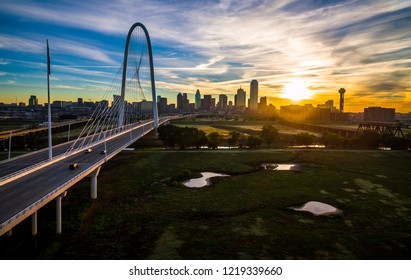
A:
[215,46]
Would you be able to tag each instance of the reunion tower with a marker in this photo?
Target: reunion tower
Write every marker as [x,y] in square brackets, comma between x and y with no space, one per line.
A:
[342,91]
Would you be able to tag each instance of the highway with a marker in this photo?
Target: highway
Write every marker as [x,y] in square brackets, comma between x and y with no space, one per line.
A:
[21,162]
[18,163]
[41,186]
[23,131]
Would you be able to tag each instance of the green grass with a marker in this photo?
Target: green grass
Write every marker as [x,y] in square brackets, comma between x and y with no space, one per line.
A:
[143,211]
[206,128]
[247,127]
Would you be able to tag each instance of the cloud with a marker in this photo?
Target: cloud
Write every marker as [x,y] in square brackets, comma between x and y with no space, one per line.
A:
[57,46]
[220,45]
[9,82]
[81,50]
[18,44]
[67,87]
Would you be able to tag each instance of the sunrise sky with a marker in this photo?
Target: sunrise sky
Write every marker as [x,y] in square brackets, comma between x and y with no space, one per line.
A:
[310,48]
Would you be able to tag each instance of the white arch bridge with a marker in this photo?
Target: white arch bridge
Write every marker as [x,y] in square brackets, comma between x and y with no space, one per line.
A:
[29,182]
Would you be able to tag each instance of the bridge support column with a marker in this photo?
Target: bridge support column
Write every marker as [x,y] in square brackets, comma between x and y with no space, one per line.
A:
[93,183]
[9,233]
[58,214]
[34,223]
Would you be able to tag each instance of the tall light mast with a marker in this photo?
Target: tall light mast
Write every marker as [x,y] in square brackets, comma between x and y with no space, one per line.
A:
[48,102]
[341,91]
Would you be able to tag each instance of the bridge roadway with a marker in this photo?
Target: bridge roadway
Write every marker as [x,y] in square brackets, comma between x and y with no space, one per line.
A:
[23,131]
[26,160]
[21,162]
[22,197]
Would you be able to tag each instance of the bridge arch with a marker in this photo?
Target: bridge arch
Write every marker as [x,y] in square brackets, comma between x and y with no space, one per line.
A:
[124,77]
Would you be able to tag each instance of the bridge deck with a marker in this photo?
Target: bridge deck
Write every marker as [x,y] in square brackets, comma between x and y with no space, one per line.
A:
[23,196]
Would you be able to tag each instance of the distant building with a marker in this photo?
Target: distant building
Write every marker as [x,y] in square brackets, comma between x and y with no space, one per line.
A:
[197,100]
[183,104]
[162,105]
[207,102]
[222,101]
[57,104]
[329,104]
[322,113]
[33,101]
[230,105]
[179,101]
[253,95]
[104,103]
[92,104]
[296,112]
[116,100]
[378,114]
[263,101]
[80,102]
[171,108]
[240,99]
[186,103]
[146,106]
[262,106]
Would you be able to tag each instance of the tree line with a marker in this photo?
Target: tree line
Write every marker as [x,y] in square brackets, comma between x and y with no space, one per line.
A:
[192,138]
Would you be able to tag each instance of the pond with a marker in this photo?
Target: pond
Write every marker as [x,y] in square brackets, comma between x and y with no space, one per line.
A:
[280,166]
[203,181]
[318,208]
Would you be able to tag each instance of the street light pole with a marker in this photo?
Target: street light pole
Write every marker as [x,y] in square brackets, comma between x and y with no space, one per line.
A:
[10,144]
[48,98]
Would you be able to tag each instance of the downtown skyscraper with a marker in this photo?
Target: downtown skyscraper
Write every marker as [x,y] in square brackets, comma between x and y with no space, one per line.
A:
[240,99]
[254,95]
[197,100]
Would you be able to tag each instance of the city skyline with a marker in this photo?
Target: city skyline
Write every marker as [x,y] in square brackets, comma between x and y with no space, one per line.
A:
[299,52]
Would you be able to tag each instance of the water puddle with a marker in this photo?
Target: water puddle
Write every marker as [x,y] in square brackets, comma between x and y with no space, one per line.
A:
[309,146]
[203,181]
[280,166]
[318,208]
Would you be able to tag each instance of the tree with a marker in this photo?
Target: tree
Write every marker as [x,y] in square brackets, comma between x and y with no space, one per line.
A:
[253,141]
[304,138]
[234,136]
[214,140]
[187,137]
[332,140]
[269,134]
[366,139]
[168,134]
[392,142]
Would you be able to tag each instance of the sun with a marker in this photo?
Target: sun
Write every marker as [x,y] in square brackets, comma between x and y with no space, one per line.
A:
[296,90]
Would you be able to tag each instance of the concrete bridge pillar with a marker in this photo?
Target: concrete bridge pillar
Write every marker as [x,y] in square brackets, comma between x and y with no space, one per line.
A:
[9,233]
[93,183]
[58,212]
[34,223]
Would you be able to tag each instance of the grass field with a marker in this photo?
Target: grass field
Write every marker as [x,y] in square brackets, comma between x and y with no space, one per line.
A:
[143,211]
[247,127]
